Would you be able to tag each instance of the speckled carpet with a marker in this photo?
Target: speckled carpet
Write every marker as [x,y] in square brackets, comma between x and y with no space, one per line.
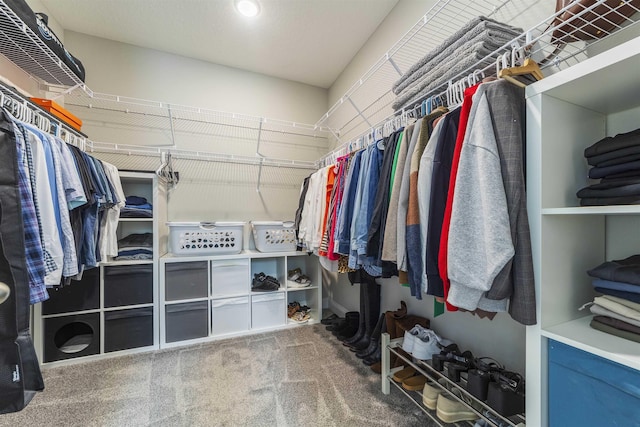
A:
[295,377]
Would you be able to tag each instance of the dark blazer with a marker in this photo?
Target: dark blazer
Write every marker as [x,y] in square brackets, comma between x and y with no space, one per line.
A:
[515,281]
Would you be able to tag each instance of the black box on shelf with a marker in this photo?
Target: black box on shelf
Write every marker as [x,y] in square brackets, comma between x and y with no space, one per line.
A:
[67,337]
[128,285]
[77,296]
[126,329]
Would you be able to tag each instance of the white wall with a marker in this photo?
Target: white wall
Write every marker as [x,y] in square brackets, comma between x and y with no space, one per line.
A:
[207,191]
[128,70]
[401,18]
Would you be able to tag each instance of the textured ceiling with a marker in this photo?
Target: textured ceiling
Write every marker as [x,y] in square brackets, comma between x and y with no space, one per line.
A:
[309,41]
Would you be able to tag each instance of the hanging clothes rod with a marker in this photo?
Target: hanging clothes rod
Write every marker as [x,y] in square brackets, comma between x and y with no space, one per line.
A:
[398,119]
[81,96]
[447,16]
[139,150]
[173,119]
[36,115]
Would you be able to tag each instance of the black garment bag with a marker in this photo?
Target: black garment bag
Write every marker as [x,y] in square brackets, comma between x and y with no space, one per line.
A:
[20,376]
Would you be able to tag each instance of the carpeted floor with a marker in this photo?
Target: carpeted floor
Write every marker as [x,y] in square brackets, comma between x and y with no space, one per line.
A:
[295,377]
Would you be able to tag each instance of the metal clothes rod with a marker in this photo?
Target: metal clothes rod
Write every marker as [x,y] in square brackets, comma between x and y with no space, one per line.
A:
[9,93]
[198,156]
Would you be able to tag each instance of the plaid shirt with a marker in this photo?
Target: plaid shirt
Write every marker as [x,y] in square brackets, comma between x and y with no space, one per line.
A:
[34,258]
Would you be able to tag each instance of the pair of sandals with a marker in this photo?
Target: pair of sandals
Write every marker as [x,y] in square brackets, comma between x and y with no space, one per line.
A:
[298,313]
[295,279]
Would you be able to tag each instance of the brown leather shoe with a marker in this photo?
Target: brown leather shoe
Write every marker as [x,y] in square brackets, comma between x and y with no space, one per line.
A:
[401,312]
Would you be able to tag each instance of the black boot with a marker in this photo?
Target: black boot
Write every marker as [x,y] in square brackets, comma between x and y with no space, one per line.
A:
[372,312]
[351,326]
[331,325]
[337,326]
[329,320]
[375,339]
[362,327]
[376,355]
[350,329]
[339,323]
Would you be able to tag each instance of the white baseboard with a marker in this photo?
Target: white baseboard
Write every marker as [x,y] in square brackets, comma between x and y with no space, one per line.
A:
[337,308]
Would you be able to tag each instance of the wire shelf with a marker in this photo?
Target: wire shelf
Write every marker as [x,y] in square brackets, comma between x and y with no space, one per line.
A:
[24,48]
[368,102]
[204,168]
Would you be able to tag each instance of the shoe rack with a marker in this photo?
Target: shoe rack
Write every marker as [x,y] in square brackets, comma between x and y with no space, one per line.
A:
[488,414]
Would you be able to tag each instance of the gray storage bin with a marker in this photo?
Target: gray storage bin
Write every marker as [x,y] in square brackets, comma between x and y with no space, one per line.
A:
[186,321]
[186,280]
[128,285]
[125,329]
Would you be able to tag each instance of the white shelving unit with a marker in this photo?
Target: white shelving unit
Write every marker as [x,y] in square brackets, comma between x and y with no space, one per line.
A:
[566,113]
[203,298]
[114,309]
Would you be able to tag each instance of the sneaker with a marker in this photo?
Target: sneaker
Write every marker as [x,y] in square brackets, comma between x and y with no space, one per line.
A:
[410,338]
[427,344]
[264,283]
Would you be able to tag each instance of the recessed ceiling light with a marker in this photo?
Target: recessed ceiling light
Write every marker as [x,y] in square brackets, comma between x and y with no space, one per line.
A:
[249,8]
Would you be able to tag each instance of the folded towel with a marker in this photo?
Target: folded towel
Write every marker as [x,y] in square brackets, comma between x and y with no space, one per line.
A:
[473,55]
[468,32]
